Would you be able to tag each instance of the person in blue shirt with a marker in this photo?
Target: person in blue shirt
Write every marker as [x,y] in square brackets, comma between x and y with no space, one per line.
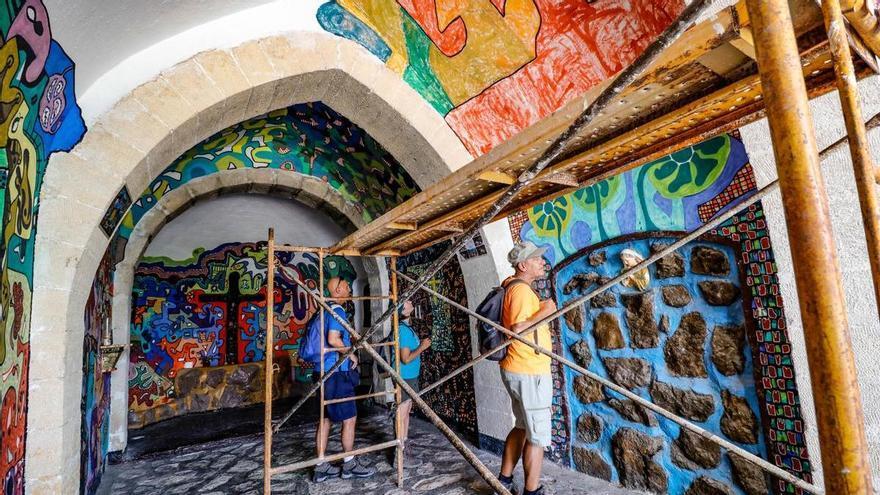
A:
[411,350]
[340,385]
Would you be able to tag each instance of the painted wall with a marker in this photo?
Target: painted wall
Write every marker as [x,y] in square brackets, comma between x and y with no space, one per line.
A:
[310,139]
[96,384]
[678,193]
[38,116]
[210,311]
[450,333]
[495,68]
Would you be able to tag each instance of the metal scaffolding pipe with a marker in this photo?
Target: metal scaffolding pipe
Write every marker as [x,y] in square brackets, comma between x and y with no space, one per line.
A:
[863,163]
[817,273]
[623,79]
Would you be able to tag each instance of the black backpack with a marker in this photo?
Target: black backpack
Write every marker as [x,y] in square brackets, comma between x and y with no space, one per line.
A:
[490,309]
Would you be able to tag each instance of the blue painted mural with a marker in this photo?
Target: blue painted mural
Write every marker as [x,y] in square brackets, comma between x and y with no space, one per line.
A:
[673,349]
[638,209]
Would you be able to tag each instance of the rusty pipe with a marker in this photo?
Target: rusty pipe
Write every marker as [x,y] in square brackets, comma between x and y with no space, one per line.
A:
[817,272]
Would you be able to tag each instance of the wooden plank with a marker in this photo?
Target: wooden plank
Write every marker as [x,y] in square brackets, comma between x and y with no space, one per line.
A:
[403,225]
[497,177]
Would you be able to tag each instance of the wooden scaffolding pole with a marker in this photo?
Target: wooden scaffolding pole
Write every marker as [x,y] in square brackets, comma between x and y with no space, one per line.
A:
[319,448]
[321,300]
[398,418]
[863,164]
[817,273]
[267,382]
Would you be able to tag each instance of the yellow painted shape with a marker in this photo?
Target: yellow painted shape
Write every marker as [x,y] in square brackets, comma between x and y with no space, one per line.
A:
[496,45]
[384,17]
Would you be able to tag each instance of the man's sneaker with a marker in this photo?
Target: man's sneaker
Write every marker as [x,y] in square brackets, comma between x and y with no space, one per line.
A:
[511,487]
[539,491]
[325,471]
[354,469]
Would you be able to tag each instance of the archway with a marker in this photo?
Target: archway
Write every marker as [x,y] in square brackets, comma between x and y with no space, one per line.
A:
[139,137]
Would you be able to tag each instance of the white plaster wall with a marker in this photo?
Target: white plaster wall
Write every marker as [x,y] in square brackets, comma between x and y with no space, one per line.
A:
[243,218]
[846,217]
[481,274]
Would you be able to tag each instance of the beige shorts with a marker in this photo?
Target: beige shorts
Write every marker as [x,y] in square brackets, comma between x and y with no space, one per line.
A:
[531,397]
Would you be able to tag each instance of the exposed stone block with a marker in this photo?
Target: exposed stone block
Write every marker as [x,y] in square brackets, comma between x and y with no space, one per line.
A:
[575,319]
[606,330]
[633,454]
[719,292]
[590,462]
[629,372]
[669,266]
[751,478]
[686,403]
[727,349]
[582,354]
[676,296]
[633,412]
[588,390]
[708,486]
[709,261]
[738,422]
[589,428]
[643,332]
[684,349]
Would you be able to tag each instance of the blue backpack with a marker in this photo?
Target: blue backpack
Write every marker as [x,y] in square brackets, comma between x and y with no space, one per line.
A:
[490,309]
[310,343]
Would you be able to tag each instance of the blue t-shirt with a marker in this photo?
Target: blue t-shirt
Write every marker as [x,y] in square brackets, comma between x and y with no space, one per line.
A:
[330,324]
[409,339]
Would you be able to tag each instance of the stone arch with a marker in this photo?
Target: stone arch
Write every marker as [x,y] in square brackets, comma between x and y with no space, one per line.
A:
[144,132]
[302,188]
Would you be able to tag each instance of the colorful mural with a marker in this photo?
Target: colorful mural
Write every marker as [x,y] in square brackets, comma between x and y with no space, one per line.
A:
[210,311]
[38,116]
[450,335]
[679,339]
[96,384]
[309,139]
[637,209]
[493,68]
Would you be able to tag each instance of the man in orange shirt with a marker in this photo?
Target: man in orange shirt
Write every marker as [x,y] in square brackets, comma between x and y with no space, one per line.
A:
[525,372]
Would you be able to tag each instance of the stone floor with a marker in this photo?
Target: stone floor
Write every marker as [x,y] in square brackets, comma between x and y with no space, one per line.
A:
[234,466]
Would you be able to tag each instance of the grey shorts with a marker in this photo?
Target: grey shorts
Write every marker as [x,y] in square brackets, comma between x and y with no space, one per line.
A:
[531,398]
[412,382]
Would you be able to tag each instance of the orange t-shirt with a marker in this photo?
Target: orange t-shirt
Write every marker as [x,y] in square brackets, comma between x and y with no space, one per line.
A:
[520,304]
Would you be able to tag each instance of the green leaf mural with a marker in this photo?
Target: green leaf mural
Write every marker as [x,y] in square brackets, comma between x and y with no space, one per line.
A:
[686,172]
[552,218]
[691,170]
[598,199]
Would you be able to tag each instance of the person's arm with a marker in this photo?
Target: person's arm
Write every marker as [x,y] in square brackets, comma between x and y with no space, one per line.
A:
[548,307]
[407,356]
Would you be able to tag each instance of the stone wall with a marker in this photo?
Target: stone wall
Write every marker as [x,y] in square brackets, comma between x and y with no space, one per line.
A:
[219,387]
[679,342]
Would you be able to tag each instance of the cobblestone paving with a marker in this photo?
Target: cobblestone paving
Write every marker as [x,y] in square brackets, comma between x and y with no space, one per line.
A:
[234,466]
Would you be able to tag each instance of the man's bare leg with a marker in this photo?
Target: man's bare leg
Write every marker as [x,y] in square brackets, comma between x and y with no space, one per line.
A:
[348,427]
[321,435]
[533,458]
[513,449]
